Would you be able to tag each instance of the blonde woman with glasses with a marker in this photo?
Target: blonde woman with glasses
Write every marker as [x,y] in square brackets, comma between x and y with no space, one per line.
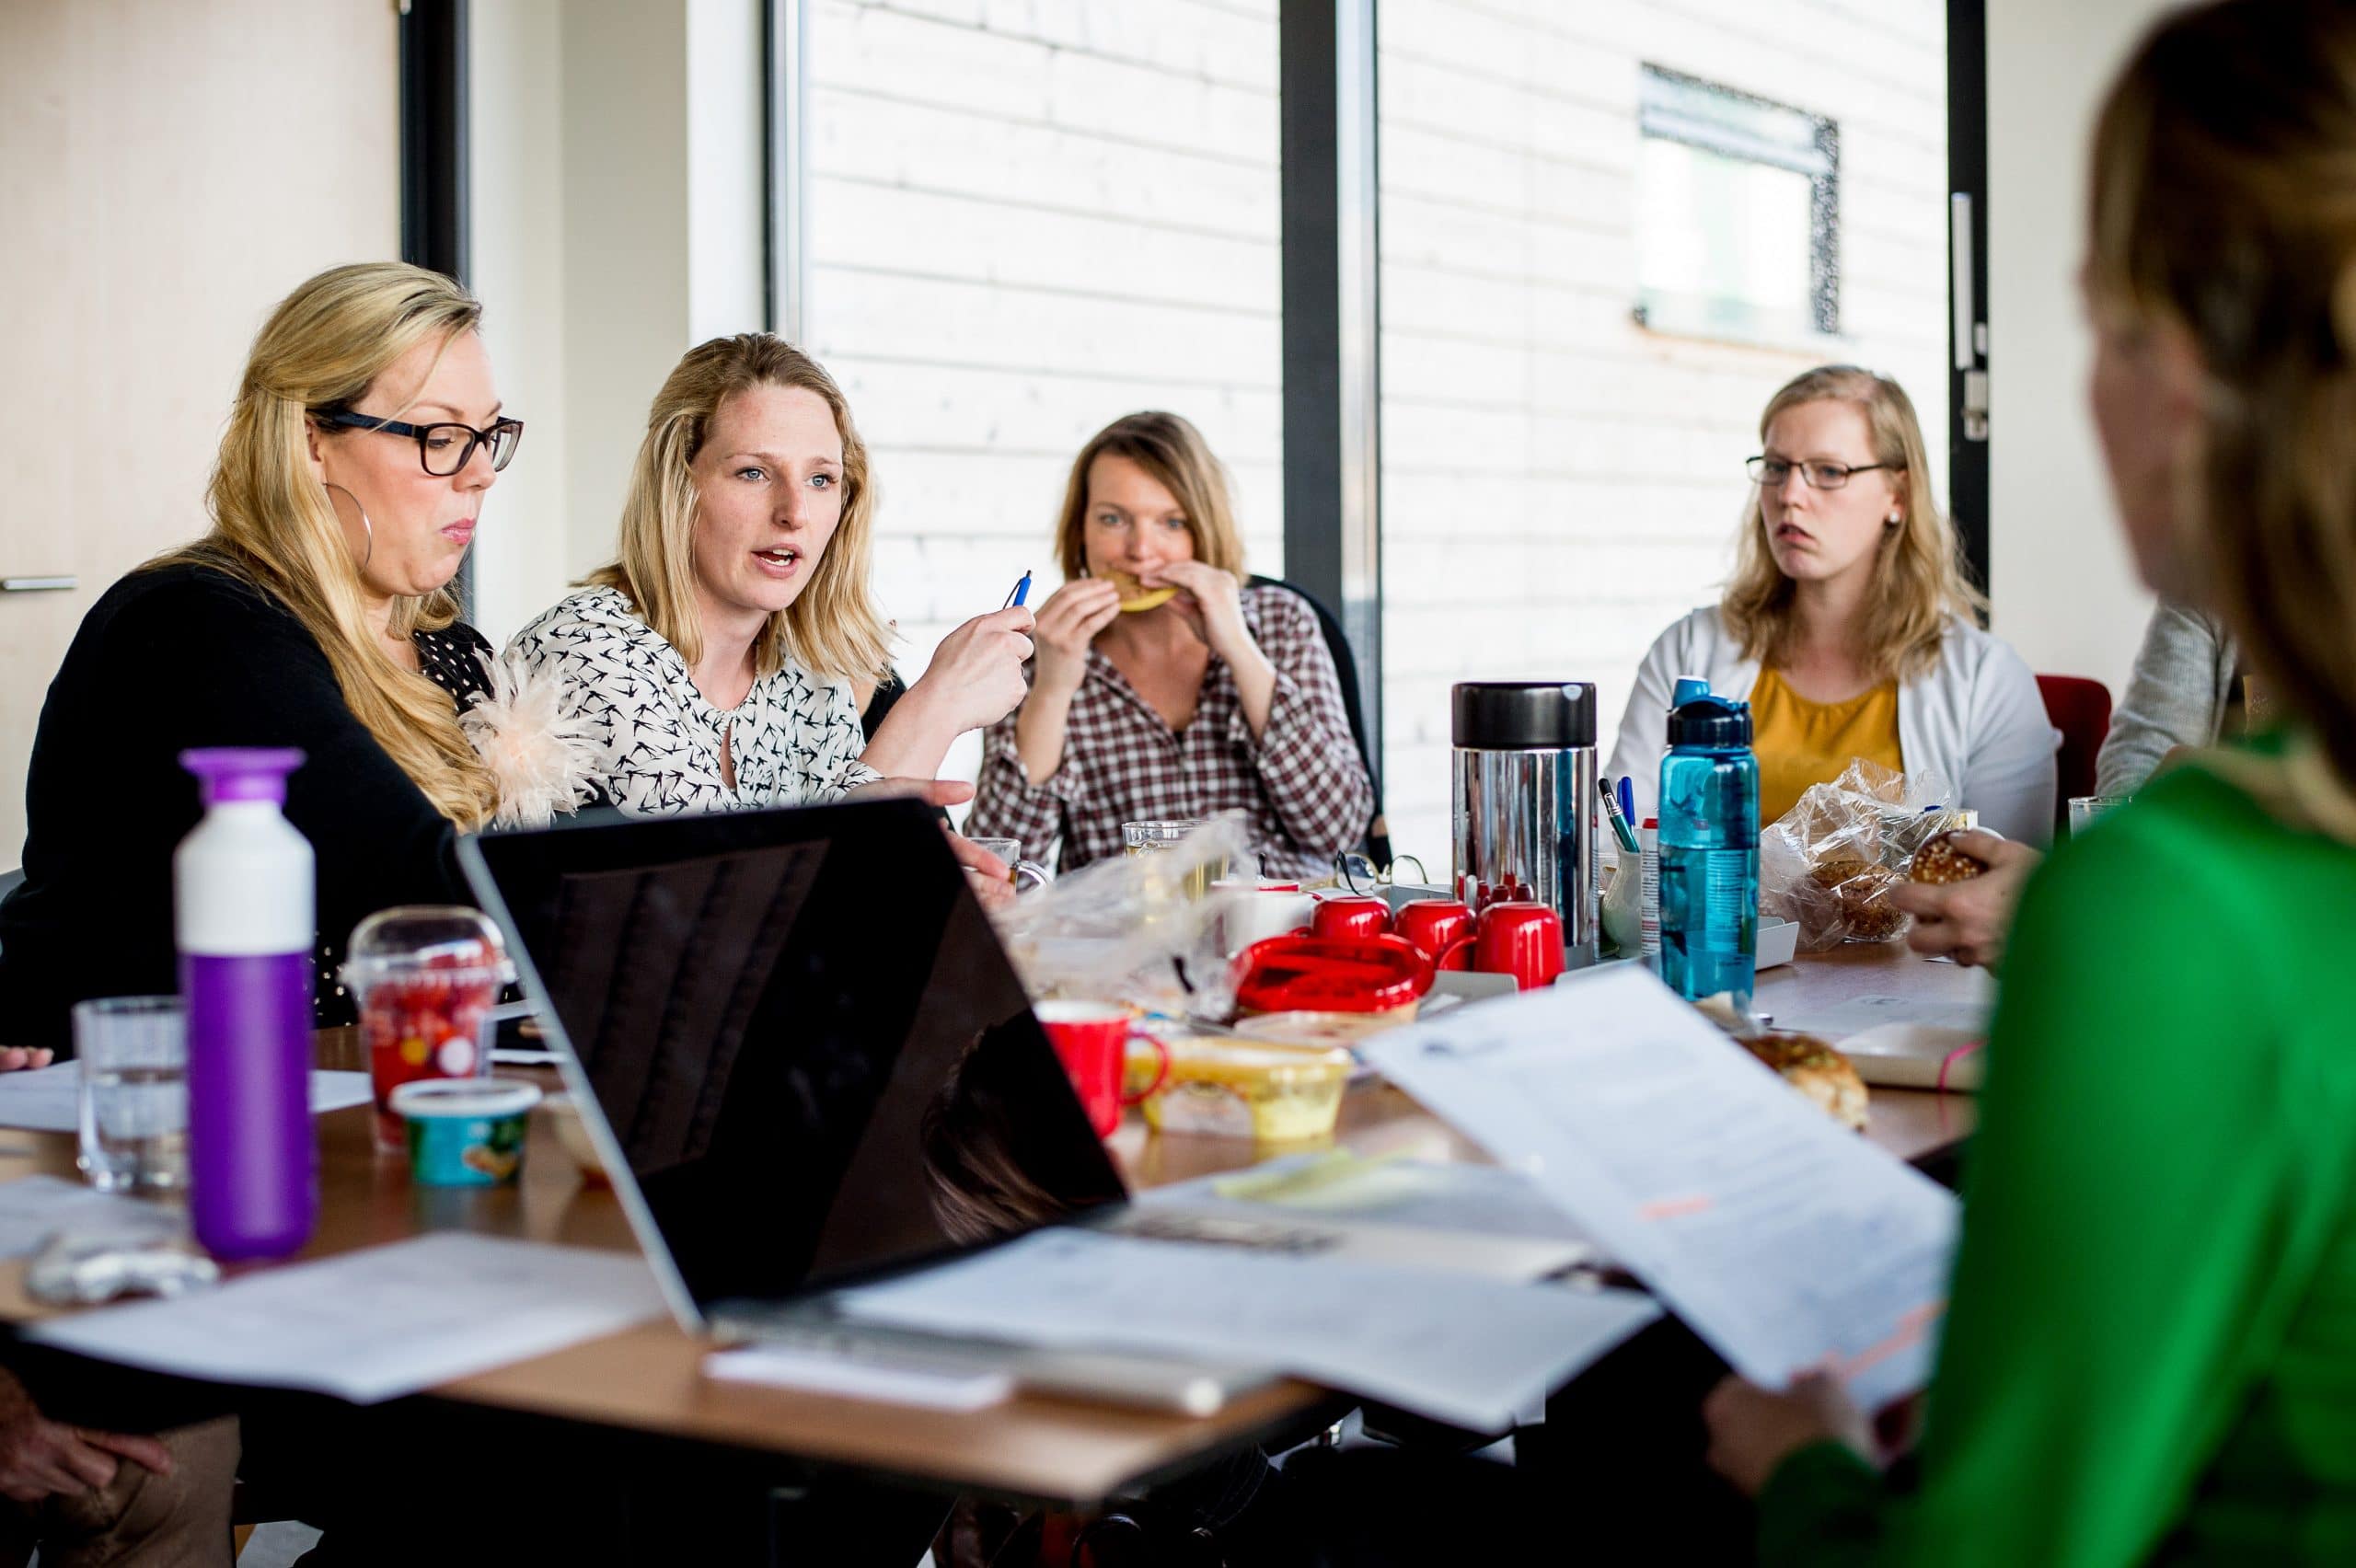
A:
[366,433]
[1849,626]
[715,659]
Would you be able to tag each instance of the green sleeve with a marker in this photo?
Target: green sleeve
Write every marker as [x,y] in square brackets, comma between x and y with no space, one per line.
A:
[2129,1194]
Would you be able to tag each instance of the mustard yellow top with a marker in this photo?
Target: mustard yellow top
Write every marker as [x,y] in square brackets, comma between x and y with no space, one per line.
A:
[1801,743]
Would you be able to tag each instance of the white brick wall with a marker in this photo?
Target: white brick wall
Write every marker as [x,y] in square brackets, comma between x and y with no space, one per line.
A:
[1029,217]
[1559,483]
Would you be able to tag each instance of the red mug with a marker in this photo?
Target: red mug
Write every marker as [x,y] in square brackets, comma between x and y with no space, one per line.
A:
[1353,918]
[1092,1040]
[1434,925]
[1523,939]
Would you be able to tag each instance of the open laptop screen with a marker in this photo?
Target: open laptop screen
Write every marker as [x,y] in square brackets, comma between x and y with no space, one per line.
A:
[803,1035]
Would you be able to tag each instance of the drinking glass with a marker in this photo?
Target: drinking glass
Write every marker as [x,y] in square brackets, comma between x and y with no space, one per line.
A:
[133,1057]
[1158,837]
[1024,874]
[2084,809]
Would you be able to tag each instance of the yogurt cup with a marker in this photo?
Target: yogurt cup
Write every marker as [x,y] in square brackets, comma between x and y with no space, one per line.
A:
[465,1132]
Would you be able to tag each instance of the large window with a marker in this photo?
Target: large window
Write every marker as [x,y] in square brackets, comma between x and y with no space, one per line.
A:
[1608,235]
[1024,221]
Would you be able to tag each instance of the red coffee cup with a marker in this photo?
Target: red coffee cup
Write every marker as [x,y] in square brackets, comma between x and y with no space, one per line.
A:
[1433,924]
[1092,1040]
[1523,939]
[1356,916]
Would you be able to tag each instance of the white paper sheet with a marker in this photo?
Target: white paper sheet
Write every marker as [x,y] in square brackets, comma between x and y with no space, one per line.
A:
[48,1099]
[377,1323]
[1450,1347]
[1476,1200]
[811,1371]
[1860,1013]
[34,1208]
[1783,1239]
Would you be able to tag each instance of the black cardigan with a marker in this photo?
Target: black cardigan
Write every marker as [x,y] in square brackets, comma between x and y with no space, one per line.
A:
[182,657]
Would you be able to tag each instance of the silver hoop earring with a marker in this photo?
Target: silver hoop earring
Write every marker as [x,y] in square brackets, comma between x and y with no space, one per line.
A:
[367,529]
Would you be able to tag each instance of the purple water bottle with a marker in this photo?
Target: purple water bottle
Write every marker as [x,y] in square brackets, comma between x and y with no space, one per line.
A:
[244,916]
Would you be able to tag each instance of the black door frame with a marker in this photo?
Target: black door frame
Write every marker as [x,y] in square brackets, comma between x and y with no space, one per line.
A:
[436,197]
[1968,409]
[1332,300]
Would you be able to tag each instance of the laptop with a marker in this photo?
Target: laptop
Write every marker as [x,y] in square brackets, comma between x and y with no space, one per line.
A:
[808,1064]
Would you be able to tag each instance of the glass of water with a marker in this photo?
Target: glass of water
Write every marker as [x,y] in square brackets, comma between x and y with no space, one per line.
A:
[2085,809]
[133,1057]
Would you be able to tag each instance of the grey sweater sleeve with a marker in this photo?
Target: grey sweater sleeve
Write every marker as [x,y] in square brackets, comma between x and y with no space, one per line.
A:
[2177,696]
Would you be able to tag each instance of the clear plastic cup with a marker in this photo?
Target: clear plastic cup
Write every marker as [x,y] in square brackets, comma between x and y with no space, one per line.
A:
[426,977]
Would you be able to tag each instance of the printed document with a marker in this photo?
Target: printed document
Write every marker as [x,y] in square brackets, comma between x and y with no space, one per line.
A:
[49,1100]
[1781,1237]
[34,1208]
[1471,1351]
[380,1322]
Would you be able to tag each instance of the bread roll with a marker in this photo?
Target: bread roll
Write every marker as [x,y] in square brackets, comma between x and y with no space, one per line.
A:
[1940,862]
[1817,1071]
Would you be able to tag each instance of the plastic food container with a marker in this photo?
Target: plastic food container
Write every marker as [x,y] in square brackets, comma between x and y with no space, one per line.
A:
[1243,1088]
[465,1132]
[425,976]
[1321,1028]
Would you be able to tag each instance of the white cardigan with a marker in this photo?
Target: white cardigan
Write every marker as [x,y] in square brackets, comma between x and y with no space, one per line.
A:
[1975,718]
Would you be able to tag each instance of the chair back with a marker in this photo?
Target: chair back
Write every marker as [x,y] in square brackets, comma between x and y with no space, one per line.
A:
[2080,708]
[1346,665]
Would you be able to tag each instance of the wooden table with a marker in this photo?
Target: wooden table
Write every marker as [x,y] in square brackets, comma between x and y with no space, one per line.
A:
[648,1378]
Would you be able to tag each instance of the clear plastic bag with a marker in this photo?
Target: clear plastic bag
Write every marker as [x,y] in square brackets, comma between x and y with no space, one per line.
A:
[1141,929]
[1831,861]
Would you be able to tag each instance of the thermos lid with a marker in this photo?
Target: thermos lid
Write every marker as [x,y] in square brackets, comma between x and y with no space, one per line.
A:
[1523,715]
[1716,724]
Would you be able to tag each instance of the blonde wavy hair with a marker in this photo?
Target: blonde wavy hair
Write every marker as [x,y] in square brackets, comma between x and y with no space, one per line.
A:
[2223,203]
[1174,452]
[1918,575]
[831,628]
[273,526]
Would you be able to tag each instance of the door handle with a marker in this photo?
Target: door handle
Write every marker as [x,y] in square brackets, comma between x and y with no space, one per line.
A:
[37,584]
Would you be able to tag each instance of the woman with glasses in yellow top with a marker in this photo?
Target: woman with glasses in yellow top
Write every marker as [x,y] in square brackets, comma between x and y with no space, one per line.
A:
[1849,625]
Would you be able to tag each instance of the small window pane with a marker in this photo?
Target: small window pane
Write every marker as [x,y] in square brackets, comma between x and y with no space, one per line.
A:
[1722,245]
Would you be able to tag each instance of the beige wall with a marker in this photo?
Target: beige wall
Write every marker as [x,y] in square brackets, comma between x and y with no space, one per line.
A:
[168,172]
[2065,594]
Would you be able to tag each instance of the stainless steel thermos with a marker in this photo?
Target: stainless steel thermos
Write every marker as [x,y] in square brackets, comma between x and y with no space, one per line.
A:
[1525,796]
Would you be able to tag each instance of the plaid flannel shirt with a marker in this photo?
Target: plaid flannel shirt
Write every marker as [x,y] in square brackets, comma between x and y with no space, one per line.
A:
[1302,781]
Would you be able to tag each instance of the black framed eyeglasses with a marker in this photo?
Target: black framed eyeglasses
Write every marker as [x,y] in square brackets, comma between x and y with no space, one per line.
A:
[1773,471]
[443,448]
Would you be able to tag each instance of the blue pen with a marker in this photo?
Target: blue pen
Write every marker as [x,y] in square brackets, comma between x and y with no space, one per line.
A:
[1021,592]
[1628,798]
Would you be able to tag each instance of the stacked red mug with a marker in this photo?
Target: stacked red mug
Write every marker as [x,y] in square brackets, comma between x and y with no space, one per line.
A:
[1516,937]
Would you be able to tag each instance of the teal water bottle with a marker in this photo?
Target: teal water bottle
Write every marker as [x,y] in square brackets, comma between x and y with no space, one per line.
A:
[1709,850]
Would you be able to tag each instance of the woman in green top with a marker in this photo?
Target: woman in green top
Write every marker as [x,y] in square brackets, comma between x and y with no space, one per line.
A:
[2151,1350]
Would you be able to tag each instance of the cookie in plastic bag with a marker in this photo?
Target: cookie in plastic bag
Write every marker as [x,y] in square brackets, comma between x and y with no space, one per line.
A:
[1830,862]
